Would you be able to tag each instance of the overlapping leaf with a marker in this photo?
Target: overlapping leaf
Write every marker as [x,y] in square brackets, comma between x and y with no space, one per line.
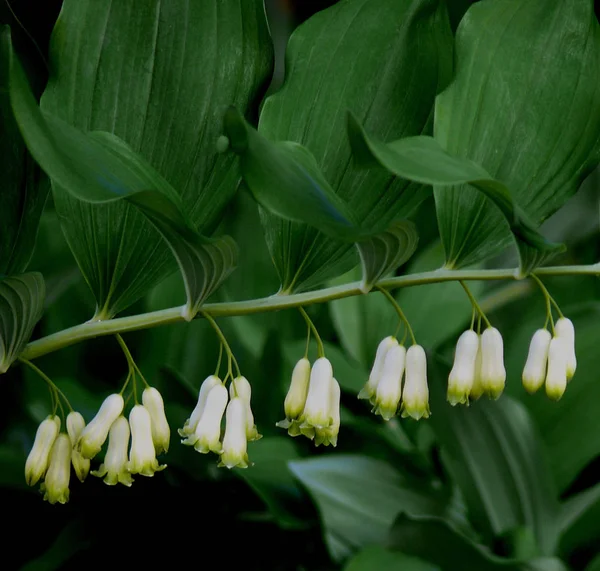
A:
[383,59]
[159,75]
[421,159]
[23,193]
[525,104]
[99,167]
[21,306]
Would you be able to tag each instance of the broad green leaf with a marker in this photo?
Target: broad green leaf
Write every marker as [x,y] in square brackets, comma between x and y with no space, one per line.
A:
[437,541]
[385,60]
[159,76]
[421,159]
[21,306]
[359,498]
[562,424]
[525,105]
[272,480]
[594,565]
[580,520]
[381,559]
[385,252]
[99,167]
[24,191]
[494,454]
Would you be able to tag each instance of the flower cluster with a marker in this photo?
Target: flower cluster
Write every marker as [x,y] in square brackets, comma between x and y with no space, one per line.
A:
[478,367]
[312,404]
[394,364]
[54,452]
[551,359]
[202,429]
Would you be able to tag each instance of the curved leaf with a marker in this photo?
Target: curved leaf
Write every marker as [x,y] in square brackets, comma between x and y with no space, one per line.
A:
[24,191]
[99,167]
[385,252]
[21,306]
[381,559]
[525,104]
[383,59]
[421,159]
[159,75]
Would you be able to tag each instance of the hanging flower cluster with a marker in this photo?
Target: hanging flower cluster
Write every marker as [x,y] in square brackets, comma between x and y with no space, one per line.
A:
[202,429]
[222,421]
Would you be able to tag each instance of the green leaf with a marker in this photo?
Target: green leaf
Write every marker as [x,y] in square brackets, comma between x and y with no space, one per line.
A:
[437,541]
[24,191]
[494,455]
[159,76]
[385,60]
[272,480]
[524,104]
[21,307]
[385,252]
[594,565]
[99,167]
[421,159]
[359,497]
[580,520]
[381,559]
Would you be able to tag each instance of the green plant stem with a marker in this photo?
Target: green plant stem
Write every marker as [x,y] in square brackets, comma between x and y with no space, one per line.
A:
[52,385]
[225,344]
[311,326]
[400,313]
[474,303]
[130,361]
[93,329]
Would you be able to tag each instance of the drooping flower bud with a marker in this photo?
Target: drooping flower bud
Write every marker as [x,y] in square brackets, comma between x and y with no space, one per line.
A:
[462,375]
[241,387]
[368,391]
[534,372]
[161,433]
[94,434]
[234,442]
[56,483]
[207,436]
[564,329]
[415,396]
[191,423]
[329,435]
[75,426]
[389,389]
[296,397]
[556,377]
[114,470]
[316,410]
[477,389]
[142,456]
[493,373]
[37,461]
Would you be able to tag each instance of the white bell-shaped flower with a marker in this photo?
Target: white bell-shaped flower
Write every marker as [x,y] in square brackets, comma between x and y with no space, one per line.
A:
[493,373]
[240,386]
[368,391]
[39,456]
[114,469]
[534,372]
[207,436]
[95,433]
[142,455]
[329,435]
[56,483]
[161,433]
[316,410]
[565,329]
[191,423]
[296,397]
[235,443]
[556,377]
[389,388]
[75,426]
[462,375]
[415,395]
